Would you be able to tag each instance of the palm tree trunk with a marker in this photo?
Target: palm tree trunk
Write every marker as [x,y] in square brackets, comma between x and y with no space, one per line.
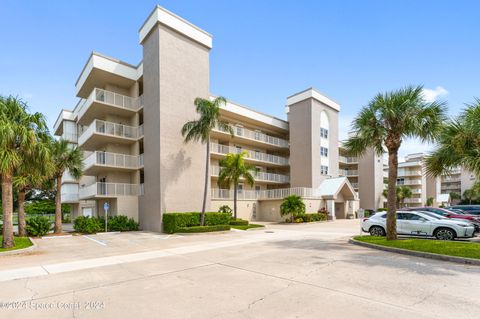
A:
[205,190]
[7,206]
[58,207]
[22,231]
[235,200]
[392,194]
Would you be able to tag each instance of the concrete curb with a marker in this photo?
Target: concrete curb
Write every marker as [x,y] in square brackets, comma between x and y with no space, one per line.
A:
[20,251]
[459,260]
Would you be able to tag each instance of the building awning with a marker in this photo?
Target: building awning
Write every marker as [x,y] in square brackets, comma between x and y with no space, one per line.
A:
[443,198]
[331,188]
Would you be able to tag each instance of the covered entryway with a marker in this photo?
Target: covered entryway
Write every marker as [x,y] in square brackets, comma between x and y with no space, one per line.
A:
[339,197]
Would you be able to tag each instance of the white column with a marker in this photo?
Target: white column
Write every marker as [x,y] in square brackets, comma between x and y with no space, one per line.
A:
[331,208]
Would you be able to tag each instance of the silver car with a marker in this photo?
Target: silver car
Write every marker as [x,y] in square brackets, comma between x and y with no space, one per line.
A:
[415,223]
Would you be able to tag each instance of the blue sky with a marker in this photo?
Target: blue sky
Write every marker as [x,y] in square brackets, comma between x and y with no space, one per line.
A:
[263,51]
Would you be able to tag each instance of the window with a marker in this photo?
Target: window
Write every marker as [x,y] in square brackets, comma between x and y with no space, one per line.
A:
[323,132]
[324,170]
[239,130]
[239,149]
[323,151]
[240,189]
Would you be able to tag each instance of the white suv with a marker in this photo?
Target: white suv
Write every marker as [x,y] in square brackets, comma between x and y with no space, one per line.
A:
[415,223]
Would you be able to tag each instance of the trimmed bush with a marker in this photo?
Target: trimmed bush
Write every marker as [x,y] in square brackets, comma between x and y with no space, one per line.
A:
[308,218]
[38,226]
[122,223]
[172,222]
[88,225]
[238,222]
[44,207]
[203,229]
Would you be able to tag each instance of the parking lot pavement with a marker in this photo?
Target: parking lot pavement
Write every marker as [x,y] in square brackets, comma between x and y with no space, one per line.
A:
[304,271]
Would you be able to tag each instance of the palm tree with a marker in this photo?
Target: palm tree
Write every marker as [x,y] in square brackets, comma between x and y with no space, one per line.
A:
[292,205]
[458,144]
[232,169]
[430,201]
[199,131]
[455,196]
[19,134]
[385,122]
[401,193]
[64,158]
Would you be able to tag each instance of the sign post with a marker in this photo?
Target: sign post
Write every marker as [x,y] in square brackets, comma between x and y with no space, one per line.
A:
[361,216]
[106,206]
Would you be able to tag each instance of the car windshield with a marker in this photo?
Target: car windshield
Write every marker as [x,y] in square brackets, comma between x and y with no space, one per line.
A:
[433,215]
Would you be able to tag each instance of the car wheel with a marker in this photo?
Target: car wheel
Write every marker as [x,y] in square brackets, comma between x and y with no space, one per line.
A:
[377,231]
[445,234]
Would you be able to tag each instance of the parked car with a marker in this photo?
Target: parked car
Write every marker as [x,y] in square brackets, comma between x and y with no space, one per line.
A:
[469,209]
[415,223]
[475,220]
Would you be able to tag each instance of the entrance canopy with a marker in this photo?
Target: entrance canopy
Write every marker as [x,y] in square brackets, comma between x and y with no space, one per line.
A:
[334,188]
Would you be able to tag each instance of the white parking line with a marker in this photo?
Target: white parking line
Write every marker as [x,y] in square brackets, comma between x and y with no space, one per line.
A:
[97,241]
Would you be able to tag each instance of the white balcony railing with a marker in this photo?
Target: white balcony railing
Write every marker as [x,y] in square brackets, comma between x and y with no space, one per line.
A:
[112,159]
[348,160]
[108,128]
[410,173]
[280,193]
[109,190]
[109,98]
[257,136]
[410,182]
[345,172]
[253,155]
[412,200]
[259,176]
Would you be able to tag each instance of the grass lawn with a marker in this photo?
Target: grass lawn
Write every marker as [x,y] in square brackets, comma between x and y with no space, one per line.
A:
[245,227]
[20,242]
[449,248]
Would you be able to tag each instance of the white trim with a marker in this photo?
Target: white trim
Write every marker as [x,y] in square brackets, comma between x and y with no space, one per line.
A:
[314,94]
[171,20]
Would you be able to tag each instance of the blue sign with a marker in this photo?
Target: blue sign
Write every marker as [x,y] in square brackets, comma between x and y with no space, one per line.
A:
[106,206]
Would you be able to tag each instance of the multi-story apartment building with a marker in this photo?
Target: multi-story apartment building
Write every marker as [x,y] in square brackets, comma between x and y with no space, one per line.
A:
[128,123]
[366,176]
[457,181]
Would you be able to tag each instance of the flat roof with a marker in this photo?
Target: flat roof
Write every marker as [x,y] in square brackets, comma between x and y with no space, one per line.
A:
[314,94]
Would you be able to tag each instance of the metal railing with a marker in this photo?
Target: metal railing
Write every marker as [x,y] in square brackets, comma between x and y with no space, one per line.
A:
[257,136]
[110,98]
[410,173]
[108,128]
[346,159]
[112,159]
[218,193]
[253,155]
[412,200]
[109,189]
[345,172]
[410,182]
[259,176]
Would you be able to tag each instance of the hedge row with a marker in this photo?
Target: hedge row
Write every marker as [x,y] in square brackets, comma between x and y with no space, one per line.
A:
[203,229]
[239,222]
[172,222]
[308,218]
[90,225]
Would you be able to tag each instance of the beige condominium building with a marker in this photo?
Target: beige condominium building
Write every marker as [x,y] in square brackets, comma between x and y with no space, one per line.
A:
[457,181]
[366,175]
[128,122]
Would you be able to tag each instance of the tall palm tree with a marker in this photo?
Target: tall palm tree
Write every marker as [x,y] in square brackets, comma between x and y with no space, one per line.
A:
[64,158]
[232,169]
[403,192]
[458,144]
[385,122]
[199,131]
[19,135]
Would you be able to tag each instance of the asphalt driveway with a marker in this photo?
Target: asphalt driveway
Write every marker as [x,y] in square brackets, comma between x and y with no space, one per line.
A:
[284,271]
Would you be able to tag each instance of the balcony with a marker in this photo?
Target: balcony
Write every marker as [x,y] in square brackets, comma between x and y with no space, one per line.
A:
[101,102]
[451,179]
[69,198]
[410,173]
[345,172]
[280,193]
[348,160]
[410,182]
[254,137]
[253,156]
[108,190]
[354,185]
[260,176]
[99,133]
[96,162]
[412,200]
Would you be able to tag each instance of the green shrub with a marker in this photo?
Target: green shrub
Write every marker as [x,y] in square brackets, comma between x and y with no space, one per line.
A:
[66,219]
[38,226]
[292,205]
[174,221]
[225,209]
[44,207]
[212,219]
[382,210]
[238,222]
[203,229]
[308,218]
[88,225]
[122,223]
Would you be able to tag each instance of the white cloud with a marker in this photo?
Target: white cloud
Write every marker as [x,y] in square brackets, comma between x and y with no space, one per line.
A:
[431,95]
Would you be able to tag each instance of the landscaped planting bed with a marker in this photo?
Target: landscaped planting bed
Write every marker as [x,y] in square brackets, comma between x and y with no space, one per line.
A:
[190,222]
[20,243]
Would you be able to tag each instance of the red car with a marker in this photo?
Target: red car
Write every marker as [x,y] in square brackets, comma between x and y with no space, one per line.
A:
[475,220]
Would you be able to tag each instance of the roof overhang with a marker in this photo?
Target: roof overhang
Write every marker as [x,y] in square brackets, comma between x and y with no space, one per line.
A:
[312,93]
[332,187]
[171,20]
